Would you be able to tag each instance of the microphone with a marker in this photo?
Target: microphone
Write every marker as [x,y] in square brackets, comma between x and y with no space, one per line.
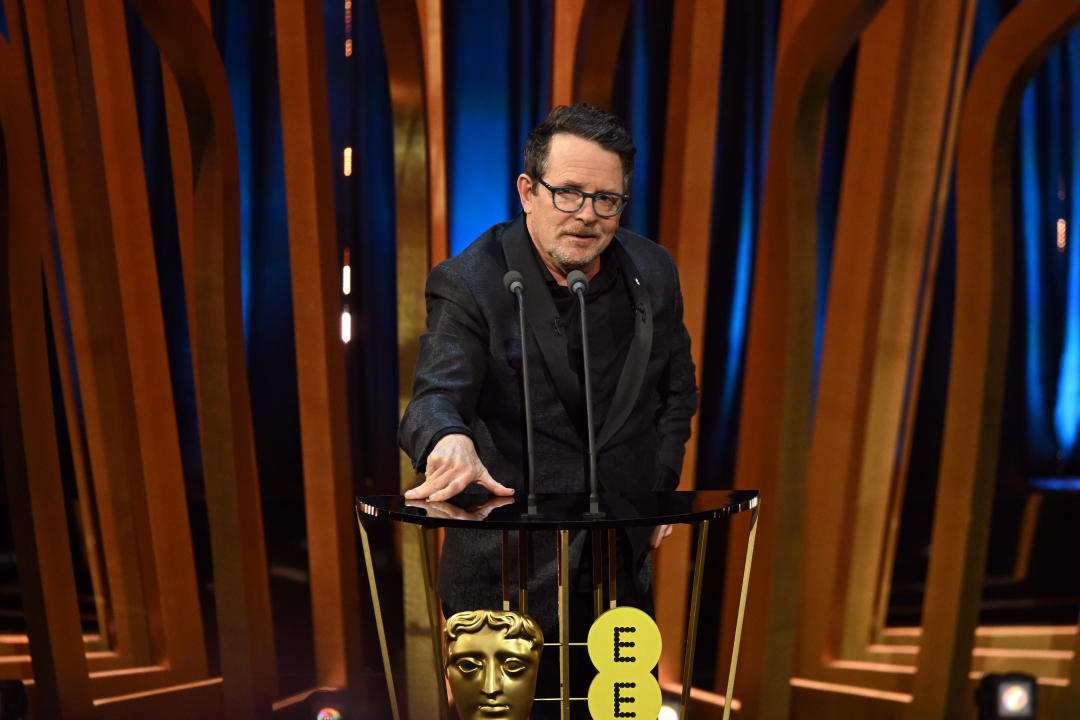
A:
[515,285]
[578,284]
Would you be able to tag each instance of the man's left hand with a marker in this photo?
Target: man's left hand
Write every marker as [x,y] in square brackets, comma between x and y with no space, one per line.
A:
[658,534]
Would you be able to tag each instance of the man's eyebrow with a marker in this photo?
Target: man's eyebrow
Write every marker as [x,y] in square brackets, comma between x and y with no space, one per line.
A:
[578,186]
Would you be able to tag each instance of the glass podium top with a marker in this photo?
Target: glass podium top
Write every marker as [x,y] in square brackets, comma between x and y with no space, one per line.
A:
[563,511]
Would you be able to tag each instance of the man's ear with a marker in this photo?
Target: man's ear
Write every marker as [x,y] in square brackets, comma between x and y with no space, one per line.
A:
[525,193]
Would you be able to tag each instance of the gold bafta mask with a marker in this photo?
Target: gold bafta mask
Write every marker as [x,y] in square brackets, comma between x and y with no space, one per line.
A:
[491,662]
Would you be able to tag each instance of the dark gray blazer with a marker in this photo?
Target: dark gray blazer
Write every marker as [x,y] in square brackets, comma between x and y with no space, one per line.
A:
[468,377]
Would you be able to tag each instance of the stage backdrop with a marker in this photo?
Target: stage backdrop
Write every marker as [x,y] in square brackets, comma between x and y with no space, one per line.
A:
[217,220]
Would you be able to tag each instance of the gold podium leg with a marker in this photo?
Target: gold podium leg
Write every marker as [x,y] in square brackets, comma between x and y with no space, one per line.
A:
[378,620]
[434,619]
[564,623]
[742,608]
[692,624]
[505,551]
[597,571]
[523,572]
[612,594]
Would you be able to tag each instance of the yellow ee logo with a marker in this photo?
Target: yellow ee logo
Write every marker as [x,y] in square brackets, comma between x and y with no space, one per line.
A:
[624,646]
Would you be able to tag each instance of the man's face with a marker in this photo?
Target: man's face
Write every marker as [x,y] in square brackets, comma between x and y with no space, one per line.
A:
[492,676]
[571,241]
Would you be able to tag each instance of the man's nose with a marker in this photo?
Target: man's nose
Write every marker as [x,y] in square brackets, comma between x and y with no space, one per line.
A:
[587,213]
[492,679]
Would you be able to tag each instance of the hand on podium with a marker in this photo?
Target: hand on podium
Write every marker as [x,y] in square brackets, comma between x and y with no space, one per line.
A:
[452,466]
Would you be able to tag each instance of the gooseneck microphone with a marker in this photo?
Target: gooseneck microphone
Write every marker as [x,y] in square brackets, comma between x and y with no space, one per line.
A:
[515,285]
[578,284]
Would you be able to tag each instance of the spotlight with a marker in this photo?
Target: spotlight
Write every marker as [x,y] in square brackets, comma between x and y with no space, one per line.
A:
[668,712]
[13,703]
[1006,696]
[328,705]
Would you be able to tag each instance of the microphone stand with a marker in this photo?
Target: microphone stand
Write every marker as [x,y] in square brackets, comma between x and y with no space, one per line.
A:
[514,282]
[578,284]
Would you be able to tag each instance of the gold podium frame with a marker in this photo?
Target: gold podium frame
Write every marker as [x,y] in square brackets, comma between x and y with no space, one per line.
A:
[564,644]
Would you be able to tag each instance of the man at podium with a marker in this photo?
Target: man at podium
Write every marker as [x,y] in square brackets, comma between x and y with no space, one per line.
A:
[465,425]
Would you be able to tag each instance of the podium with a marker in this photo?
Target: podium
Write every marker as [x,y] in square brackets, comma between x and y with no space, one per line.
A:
[562,514]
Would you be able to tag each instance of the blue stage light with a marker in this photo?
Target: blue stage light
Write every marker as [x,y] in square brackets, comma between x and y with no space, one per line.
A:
[1055,484]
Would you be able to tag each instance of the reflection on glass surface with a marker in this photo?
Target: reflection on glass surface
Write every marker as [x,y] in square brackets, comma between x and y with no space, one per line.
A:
[564,511]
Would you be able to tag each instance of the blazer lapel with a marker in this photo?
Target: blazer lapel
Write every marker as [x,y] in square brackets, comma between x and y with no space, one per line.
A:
[541,315]
[633,372]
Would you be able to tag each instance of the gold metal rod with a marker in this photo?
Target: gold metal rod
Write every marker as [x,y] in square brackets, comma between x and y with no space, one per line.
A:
[434,620]
[742,608]
[505,552]
[692,622]
[395,713]
[611,585]
[523,572]
[596,541]
[564,623]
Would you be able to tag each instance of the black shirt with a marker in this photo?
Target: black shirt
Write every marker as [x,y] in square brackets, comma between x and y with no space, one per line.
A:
[610,317]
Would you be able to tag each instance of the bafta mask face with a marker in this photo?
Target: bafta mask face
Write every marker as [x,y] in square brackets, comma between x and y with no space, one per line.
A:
[492,676]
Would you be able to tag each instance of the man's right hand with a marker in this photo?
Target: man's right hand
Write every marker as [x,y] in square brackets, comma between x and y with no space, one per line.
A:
[452,466]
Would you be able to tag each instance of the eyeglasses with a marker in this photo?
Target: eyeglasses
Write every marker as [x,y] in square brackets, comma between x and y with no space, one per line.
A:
[570,200]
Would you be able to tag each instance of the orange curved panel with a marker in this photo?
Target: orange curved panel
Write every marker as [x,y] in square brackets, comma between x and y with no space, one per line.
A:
[175,605]
[233,497]
[31,465]
[587,37]
[320,356]
[685,229]
[85,237]
[980,337]
[774,427]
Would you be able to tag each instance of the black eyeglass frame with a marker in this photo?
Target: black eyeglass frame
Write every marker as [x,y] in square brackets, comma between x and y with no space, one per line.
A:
[585,196]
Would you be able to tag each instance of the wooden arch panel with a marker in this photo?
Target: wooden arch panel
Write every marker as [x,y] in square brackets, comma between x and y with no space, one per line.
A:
[412,38]
[233,498]
[908,85]
[587,36]
[686,217]
[31,467]
[774,427]
[155,643]
[320,357]
[977,375]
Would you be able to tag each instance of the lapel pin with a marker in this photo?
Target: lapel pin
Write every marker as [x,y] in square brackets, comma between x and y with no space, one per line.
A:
[637,281]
